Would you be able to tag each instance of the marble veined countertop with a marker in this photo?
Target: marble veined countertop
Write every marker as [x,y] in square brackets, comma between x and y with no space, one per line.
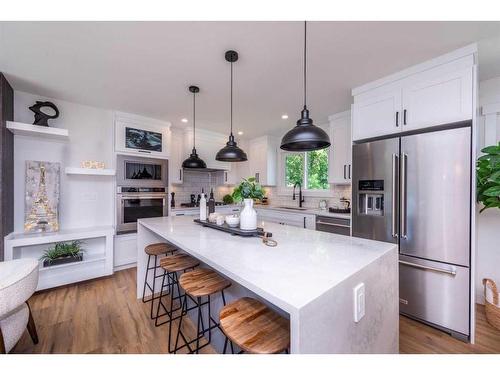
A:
[303,266]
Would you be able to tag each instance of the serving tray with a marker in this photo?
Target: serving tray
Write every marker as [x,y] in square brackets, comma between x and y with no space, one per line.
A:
[259,232]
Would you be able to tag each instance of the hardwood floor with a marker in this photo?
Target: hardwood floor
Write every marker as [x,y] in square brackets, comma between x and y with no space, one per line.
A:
[103,316]
[97,316]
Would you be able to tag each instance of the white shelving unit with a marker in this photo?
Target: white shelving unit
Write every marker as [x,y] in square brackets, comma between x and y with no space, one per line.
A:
[19,128]
[90,171]
[97,259]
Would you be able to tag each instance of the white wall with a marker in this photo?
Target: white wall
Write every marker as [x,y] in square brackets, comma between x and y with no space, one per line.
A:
[84,200]
[488,222]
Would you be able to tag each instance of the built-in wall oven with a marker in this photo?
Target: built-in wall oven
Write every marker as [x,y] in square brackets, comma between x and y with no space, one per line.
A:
[141,190]
[138,203]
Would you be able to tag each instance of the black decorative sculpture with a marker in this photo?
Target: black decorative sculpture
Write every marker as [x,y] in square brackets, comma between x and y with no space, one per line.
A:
[41,118]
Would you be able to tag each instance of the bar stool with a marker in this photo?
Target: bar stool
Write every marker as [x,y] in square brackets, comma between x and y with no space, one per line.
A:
[171,266]
[200,283]
[254,327]
[154,250]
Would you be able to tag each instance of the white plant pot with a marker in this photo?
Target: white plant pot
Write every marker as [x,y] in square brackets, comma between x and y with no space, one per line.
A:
[248,216]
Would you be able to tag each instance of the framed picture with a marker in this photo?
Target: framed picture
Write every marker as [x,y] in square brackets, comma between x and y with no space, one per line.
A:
[41,206]
[141,139]
[141,136]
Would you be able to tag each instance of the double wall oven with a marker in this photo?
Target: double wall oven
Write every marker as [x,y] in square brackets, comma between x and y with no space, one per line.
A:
[141,190]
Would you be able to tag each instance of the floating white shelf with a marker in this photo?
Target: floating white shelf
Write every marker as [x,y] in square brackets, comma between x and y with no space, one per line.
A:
[90,171]
[19,128]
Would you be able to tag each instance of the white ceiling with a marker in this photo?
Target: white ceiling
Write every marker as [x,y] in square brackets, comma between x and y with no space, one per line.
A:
[146,67]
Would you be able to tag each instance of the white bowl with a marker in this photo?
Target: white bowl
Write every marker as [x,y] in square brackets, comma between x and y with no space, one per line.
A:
[233,220]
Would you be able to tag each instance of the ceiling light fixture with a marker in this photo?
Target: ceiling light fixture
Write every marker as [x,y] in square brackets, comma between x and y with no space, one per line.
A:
[184,120]
[231,152]
[240,133]
[194,161]
[284,117]
[305,136]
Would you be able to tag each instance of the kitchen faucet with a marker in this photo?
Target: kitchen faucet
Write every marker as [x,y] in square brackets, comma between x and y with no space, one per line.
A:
[301,199]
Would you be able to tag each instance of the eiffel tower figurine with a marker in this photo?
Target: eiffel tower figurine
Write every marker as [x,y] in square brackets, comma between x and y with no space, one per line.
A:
[41,217]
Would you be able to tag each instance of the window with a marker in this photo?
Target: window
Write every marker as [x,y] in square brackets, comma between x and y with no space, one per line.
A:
[310,169]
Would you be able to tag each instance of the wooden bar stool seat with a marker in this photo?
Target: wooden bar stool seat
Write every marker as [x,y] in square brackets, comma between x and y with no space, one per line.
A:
[202,282]
[254,327]
[178,262]
[160,248]
[154,251]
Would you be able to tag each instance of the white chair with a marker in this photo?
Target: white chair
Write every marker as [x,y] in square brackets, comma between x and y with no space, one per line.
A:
[18,281]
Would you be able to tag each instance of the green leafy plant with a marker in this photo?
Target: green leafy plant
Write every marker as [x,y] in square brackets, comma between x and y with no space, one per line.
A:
[488,177]
[227,199]
[63,249]
[248,189]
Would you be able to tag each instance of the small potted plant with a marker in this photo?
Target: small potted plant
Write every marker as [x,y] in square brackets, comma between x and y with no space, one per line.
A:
[248,190]
[488,193]
[62,253]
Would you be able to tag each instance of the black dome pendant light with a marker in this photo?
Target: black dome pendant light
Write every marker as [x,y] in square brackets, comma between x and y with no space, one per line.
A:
[194,161]
[231,152]
[305,136]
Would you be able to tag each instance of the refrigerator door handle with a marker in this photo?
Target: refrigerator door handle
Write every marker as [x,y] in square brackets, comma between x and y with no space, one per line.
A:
[452,272]
[394,200]
[404,160]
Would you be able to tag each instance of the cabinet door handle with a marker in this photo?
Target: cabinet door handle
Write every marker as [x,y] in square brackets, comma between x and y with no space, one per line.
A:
[344,171]
[257,177]
[225,176]
[180,174]
[404,117]
[304,222]
[397,118]
[349,171]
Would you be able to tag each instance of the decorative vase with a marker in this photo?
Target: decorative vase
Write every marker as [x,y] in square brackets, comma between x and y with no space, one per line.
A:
[248,216]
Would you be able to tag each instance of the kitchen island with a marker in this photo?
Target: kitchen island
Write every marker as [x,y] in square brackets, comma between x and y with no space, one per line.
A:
[309,278]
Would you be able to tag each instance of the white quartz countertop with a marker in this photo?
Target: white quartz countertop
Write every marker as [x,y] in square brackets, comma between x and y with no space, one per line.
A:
[303,266]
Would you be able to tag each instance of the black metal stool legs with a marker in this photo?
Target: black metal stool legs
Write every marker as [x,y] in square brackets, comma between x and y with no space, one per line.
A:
[200,328]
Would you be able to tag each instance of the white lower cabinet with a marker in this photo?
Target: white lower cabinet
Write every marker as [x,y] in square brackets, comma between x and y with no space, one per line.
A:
[125,250]
[284,218]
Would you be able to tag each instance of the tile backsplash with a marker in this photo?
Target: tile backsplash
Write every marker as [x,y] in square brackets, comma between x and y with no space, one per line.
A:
[194,181]
[338,191]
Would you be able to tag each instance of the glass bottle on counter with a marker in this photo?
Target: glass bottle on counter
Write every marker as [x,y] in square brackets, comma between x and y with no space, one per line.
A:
[203,207]
[211,202]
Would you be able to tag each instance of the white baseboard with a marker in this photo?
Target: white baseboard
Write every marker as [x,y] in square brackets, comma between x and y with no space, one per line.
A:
[125,266]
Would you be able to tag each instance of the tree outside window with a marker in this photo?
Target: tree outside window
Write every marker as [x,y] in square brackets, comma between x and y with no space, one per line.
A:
[310,169]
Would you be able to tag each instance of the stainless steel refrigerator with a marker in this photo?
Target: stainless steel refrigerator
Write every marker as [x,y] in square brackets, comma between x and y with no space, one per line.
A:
[415,190]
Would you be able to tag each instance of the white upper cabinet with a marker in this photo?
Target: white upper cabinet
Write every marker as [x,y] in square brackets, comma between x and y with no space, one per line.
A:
[141,136]
[376,113]
[340,163]
[177,156]
[433,93]
[207,145]
[262,159]
[438,99]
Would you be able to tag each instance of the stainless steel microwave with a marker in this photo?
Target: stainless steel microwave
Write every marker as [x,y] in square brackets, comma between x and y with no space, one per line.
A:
[135,171]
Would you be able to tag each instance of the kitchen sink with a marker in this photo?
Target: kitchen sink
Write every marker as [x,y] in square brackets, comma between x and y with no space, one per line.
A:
[293,208]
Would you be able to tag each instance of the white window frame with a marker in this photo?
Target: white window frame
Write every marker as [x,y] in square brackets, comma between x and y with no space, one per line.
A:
[285,190]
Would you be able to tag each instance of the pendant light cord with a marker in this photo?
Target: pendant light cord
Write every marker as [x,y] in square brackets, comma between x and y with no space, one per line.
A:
[305,63]
[231,98]
[194,120]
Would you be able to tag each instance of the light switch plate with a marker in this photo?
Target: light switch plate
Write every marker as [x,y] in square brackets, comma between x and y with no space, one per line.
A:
[359,302]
